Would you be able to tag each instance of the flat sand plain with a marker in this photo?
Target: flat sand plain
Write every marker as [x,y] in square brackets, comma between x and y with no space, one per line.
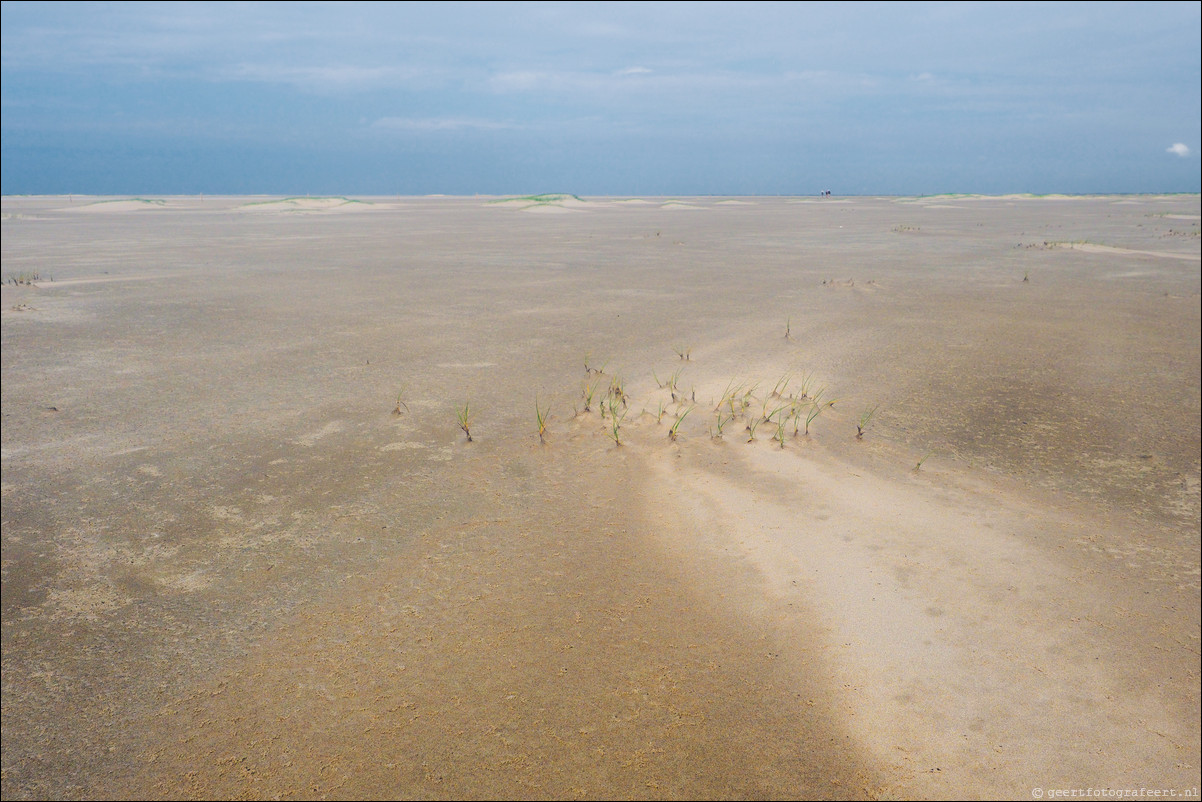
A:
[230,569]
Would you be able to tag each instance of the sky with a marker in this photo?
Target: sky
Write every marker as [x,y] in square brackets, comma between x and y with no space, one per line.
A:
[600,99]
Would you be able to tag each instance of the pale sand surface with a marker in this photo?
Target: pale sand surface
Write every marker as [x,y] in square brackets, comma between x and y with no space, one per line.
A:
[229,570]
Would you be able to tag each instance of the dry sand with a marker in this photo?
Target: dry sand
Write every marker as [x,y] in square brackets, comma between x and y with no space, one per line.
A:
[229,570]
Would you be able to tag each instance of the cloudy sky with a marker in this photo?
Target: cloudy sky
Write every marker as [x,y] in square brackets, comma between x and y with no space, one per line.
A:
[600,98]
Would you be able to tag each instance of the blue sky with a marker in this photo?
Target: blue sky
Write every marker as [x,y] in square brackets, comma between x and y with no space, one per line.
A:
[600,98]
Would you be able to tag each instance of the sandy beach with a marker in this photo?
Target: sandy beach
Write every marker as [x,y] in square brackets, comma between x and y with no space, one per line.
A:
[249,552]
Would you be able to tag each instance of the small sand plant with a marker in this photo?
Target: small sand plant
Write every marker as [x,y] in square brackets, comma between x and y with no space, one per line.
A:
[728,396]
[782,385]
[617,391]
[764,413]
[865,419]
[805,386]
[781,415]
[542,415]
[464,416]
[675,430]
[23,277]
[918,465]
[719,423]
[614,432]
[788,323]
[795,416]
[745,401]
[590,367]
[400,403]
[589,391]
[683,351]
[780,430]
[752,424]
[816,407]
[674,379]
[669,383]
[776,411]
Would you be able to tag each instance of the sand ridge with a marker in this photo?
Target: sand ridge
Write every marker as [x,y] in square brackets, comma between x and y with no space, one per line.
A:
[907,582]
[1092,248]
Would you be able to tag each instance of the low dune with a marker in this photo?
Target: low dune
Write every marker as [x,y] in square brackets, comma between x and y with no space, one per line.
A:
[306,204]
[117,206]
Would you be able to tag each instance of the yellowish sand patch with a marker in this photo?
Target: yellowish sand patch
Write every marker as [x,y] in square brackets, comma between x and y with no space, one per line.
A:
[113,206]
[1091,248]
[104,279]
[188,582]
[88,603]
[330,428]
[907,576]
[226,513]
[406,446]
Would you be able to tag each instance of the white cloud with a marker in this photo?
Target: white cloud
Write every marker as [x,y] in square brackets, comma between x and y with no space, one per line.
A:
[679,83]
[522,81]
[1179,149]
[331,78]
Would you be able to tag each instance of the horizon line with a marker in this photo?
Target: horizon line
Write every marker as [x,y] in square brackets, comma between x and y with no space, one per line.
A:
[310,195]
